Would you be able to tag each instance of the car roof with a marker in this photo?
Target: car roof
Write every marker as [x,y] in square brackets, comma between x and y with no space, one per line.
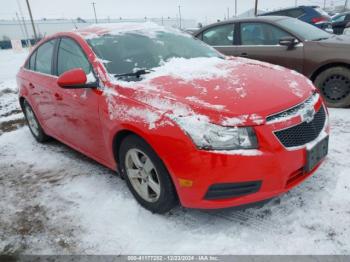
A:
[116,28]
[343,13]
[290,8]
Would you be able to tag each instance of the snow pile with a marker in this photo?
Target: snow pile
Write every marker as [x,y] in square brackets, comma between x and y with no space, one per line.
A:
[295,87]
[186,70]
[241,120]
[91,211]
[118,110]
[203,103]
[148,29]
[10,113]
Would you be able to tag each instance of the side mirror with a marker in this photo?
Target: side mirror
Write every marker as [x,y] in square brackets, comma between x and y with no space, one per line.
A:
[74,78]
[289,42]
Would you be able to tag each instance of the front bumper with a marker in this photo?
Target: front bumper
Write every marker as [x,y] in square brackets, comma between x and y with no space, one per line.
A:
[277,169]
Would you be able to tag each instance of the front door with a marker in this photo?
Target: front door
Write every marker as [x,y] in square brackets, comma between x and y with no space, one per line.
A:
[260,41]
[78,109]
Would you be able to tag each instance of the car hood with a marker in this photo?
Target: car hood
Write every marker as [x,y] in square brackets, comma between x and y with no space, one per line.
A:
[220,89]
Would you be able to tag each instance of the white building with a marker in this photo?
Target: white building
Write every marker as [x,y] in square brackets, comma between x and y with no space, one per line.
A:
[13,29]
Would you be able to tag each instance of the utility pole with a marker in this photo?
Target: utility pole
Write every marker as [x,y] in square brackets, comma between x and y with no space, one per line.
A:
[324,4]
[180,15]
[256,8]
[296,3]
[20,25]
[31,19]
[93,5]
[24,24]
[346,5]
[228,13]
[235,8]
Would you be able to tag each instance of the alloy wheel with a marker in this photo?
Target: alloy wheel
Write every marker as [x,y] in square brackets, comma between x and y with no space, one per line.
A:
[143,175]
[32,122]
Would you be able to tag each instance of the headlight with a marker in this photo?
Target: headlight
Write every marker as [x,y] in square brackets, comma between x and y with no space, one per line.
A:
[214,137]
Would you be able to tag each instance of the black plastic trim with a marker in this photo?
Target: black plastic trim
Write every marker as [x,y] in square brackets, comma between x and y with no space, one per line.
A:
[231,190]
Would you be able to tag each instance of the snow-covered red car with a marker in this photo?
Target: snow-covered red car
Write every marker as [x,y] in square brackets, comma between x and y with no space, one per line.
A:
[178,120]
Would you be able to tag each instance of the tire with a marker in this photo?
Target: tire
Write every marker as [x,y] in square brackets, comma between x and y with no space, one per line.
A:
[33,123]
[146,176]
[334,84]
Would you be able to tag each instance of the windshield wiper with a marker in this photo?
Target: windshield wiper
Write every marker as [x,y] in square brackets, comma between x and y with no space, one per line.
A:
[136,74]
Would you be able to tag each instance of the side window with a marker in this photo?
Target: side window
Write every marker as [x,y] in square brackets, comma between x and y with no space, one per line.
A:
[44,57]
[279,13]
[297,12]
[347,18]
[261,34]
[71,56]
[339,18]
[219,35]
[32,62]
[30,65]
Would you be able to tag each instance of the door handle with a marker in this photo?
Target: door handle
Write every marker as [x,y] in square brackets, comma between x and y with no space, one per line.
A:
[244,54]
[31,86]
[58,97]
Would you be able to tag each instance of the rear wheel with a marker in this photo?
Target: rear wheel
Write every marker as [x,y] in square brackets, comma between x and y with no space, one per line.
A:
[33,123]
[334,84]
[146,175]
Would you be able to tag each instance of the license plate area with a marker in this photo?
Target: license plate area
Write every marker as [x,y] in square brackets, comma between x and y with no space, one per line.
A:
[316,154]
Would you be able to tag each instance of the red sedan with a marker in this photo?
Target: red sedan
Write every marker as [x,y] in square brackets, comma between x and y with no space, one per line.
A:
[179,121]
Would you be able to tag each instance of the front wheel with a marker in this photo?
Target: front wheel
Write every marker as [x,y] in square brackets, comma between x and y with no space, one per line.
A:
[334,84]
[146,175]
[33,123]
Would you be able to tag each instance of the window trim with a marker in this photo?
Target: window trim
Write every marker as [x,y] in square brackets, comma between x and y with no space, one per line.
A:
[28,65]
[35,52]
[239,25]
[57,52]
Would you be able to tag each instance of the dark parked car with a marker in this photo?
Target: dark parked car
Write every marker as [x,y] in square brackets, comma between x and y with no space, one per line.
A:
[310,14]
[321,56]
[339,22]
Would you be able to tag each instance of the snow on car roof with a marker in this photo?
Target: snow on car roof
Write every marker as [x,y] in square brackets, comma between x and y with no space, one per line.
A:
[146,28]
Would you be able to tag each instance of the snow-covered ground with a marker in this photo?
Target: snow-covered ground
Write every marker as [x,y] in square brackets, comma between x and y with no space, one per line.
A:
[54,200]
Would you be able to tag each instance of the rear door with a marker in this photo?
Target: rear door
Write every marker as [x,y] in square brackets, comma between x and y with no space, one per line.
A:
[41,82]
[77,110]
[221,37]
[260,41]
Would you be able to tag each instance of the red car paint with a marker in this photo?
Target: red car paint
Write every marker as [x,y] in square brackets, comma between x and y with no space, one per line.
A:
[80,118]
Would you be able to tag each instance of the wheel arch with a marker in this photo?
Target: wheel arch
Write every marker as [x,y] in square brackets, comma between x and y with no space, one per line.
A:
[124,133]
[117,140]
[21,102]
[324,67]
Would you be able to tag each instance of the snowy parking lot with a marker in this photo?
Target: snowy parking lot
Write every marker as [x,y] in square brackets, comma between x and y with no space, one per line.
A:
[53,200]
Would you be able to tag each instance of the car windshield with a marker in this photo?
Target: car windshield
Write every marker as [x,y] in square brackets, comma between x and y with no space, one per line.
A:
[305,30]
[132,51]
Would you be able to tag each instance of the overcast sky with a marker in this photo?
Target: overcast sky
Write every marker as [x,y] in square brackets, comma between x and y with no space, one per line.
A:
[195,9]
